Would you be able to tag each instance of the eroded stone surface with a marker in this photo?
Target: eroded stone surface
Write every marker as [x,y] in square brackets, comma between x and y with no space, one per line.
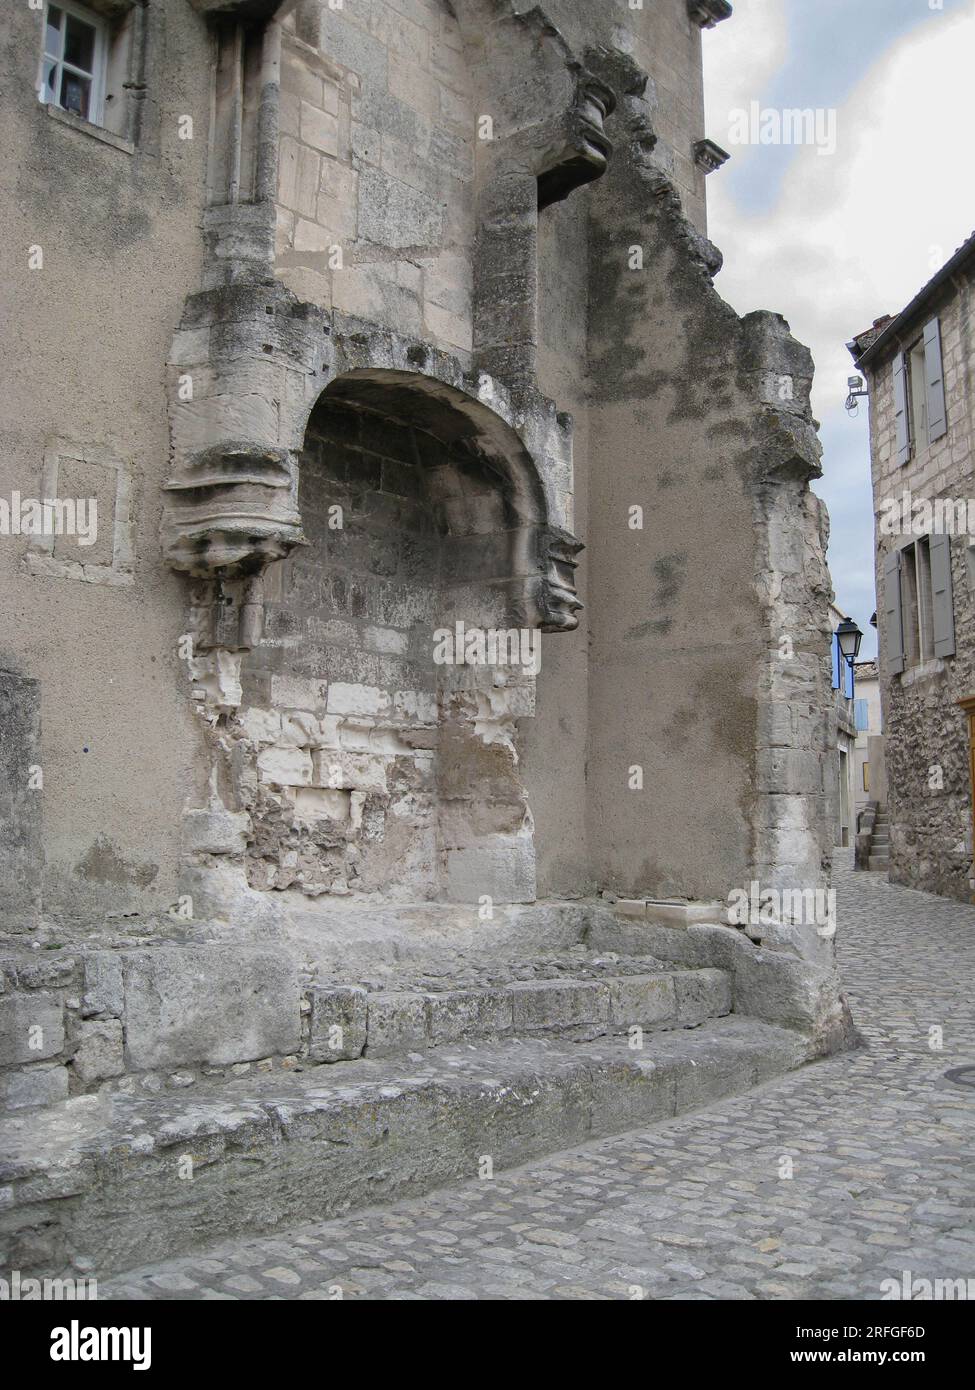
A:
[877,1143]
[208,1006]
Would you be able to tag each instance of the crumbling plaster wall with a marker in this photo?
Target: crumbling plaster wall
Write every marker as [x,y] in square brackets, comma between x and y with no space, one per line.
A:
[84,339]
[663,40]
[709,675]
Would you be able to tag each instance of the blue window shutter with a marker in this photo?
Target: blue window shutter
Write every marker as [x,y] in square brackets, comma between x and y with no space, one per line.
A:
[944,617]
[893,614]
[934,382]
[861,715]
[836,662]
[902,419]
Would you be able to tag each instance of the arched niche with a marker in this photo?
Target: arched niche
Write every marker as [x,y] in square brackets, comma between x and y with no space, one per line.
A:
[374,747]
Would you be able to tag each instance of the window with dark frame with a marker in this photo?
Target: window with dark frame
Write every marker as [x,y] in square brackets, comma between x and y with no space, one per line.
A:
[73,61]
[92,63]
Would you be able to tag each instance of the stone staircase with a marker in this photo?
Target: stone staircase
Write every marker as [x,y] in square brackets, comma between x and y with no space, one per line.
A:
[879,859]
[104,1182]
[872,849]
[166,1091]
[402,1088]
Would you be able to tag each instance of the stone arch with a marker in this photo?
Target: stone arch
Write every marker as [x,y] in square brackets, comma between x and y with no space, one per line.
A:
[373,748]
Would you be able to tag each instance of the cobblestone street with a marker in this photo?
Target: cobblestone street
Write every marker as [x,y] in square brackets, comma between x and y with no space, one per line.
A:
[821,1184]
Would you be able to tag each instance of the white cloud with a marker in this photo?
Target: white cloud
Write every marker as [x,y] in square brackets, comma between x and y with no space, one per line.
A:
[857,233]
[740,58]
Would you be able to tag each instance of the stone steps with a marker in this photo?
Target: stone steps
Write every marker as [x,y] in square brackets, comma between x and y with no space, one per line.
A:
[348,1022]
[879,848]
[103,1182]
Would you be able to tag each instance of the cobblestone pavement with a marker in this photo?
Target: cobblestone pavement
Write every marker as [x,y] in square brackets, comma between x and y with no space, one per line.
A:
[879,1145]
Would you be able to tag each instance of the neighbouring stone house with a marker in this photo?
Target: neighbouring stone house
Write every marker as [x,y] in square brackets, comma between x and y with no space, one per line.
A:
[841,786]
[869,777]
[457,592]
[920,368]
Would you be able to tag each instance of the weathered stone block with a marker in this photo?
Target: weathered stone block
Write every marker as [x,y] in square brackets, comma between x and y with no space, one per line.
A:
[682,914]
[631,907]
[501,867]
[543,1005]
[208,1004]
[99,1053]
[470,1013]
[215,830]
[350,771]
[393,214]
[289,767]
[260,725]
[643,1000]
[298,692]
[44,1084]
[396,1022]
[103,992]
[320,803]
[338,1024]
[320,129]
[45,971]
[349,699]
[31,1027]
[701,994]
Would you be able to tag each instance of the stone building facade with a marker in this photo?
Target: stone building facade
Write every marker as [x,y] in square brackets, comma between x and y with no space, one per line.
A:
[920,367]
[840,793]
[870,780]
[457,588]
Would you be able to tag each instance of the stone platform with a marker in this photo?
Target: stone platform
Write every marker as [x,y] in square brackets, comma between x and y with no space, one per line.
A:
[103,1182]
[166,1091]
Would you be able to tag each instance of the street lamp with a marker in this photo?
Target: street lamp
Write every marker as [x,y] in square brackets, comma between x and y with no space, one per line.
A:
[849,637]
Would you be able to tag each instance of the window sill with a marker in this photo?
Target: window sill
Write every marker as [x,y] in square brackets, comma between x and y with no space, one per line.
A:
[926,671]
[97,132]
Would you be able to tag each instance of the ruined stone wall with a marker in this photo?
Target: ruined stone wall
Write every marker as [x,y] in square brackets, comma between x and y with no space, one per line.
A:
[116,221]
[342,616]
[925,733]
[352,302]
[665,42]
[379,126]
[352,752]
[348,209]
[663,37]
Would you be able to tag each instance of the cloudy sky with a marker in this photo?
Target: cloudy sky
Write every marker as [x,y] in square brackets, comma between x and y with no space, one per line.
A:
[834,240]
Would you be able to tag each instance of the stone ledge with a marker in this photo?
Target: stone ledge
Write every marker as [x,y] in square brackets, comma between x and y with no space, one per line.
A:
[389,1023]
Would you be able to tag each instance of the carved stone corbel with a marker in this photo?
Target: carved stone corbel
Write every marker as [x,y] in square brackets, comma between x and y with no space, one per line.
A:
[707,13]
[581,149]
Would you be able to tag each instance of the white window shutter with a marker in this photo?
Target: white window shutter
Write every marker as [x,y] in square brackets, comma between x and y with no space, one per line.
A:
[902,423]
[893,615]
[934,382]
[944,617]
